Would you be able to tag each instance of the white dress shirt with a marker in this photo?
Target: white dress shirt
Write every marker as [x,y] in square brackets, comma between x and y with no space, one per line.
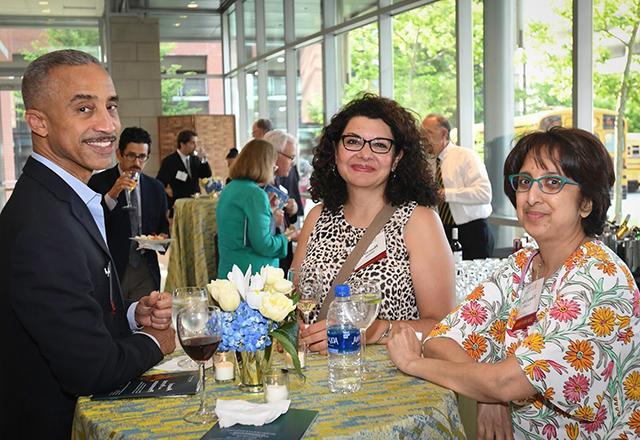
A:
[467,188]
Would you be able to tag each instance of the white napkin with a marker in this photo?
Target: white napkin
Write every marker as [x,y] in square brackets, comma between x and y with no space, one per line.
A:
[153,246]
[230,412]
[172,364]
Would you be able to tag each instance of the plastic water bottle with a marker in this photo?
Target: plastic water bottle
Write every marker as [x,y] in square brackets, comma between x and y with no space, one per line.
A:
[343,337]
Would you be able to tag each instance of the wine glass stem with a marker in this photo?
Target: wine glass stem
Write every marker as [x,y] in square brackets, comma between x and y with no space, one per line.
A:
[201,410]
[363,347]
[127,196]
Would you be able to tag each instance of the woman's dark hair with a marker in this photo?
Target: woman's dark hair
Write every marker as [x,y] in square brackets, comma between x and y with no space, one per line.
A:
[580,155]
[411,181]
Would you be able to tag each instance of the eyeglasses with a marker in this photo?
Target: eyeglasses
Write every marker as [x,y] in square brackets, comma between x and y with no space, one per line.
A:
[291,158]
[550,184]
[379,145]
[133,156]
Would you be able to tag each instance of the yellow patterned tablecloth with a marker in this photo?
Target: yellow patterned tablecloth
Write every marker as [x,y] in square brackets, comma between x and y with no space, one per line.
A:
[192,257]
[396,406]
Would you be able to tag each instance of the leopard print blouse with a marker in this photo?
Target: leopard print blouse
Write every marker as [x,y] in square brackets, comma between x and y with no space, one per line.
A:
[331,241]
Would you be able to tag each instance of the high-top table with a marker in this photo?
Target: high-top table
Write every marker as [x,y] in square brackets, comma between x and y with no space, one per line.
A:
[193,252]
[393,406]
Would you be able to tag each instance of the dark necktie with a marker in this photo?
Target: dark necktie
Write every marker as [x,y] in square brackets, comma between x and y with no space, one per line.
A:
[443,207]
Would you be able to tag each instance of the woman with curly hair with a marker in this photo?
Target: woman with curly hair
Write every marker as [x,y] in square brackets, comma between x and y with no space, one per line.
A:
[371,155]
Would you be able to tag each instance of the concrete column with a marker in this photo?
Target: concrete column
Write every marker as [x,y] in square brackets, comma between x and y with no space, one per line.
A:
[135,68]
[499,46]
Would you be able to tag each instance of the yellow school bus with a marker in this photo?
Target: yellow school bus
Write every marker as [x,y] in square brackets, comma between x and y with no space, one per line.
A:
[633,161]
[604,126]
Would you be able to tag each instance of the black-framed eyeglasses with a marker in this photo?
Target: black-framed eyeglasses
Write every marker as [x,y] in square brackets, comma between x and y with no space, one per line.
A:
[133,156]
[291,158]
[378,145]
[549,184]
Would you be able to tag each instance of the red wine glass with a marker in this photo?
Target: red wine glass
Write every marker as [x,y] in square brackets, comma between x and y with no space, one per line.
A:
[200,332]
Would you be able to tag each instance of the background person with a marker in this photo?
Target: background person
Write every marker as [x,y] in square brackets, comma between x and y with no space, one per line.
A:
[287,177]
[67,331]
[369,155]
[464,188]
[546,343]
[180,172]
[138,270]
[243,213]
[230,158]
[260,128]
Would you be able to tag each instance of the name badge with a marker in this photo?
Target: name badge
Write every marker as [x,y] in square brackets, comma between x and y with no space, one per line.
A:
[376,251]
[182,176]
[529,305]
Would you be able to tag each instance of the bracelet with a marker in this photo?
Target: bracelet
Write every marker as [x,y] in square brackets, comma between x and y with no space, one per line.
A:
[386,333]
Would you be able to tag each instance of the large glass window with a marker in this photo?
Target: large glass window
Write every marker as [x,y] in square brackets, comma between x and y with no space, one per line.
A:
[358,65]
[308,17]
[424,59]
[277,92]
[348,9]
[253,112]
[187,84]
[310,101]
[274,23]
[233,40]
[249,29]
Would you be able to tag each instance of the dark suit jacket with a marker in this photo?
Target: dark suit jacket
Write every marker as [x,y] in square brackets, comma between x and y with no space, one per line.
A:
[167,175]
[154,218]
[62,318]
[292,183]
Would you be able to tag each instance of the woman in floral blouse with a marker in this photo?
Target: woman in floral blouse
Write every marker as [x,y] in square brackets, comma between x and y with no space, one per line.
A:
[547,343]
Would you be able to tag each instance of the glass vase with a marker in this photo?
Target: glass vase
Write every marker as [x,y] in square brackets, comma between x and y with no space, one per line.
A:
[251,367]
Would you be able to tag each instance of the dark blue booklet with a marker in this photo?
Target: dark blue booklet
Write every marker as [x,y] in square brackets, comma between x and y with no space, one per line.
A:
[155,385]
[289,426]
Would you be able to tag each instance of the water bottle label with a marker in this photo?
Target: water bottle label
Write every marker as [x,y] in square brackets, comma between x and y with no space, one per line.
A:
[343,340]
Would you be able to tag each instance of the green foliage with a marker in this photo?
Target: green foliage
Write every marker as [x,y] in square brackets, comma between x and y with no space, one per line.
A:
[85,39]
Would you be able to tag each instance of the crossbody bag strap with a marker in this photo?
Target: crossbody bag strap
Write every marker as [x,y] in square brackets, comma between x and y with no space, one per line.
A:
[349,264]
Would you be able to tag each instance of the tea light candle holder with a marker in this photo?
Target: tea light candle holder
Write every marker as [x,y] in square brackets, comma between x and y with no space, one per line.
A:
[224,363]
[276,385]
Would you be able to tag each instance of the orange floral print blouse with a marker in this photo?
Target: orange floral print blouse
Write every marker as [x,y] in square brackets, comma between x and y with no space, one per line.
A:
[582,354]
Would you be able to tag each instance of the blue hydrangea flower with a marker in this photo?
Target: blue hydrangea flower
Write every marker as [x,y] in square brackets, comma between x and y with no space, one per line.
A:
[245,329]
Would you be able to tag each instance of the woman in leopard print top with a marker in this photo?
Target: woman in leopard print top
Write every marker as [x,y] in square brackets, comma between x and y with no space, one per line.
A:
[369,155]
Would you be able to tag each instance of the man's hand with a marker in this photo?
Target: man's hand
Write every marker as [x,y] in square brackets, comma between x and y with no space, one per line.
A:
[154,310]
[315,336]
[124,182]
[166,338]
[403,346]
[493,421]
[291,207]
[169,191]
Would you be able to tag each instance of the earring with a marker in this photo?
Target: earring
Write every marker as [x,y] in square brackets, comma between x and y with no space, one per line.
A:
[333,169]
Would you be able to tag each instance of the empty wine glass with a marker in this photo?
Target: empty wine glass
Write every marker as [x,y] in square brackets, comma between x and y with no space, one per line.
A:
[182,297]
[200,333]
[367,297]
[135,175]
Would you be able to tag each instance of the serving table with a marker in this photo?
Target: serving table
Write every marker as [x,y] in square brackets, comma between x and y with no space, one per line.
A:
[394,406]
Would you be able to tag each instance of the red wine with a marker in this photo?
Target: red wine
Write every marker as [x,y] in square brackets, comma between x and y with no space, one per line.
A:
[200,348]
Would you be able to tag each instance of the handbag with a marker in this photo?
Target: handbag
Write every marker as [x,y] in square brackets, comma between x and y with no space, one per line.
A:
[372,231]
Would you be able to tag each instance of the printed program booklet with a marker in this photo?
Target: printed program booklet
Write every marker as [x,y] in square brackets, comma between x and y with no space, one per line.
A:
[289,426]
[155,385]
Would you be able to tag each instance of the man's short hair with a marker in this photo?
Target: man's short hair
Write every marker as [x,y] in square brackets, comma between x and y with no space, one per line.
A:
[264,125]
[34,81]
[185,136]
[279,139]
[442,122]
[136,135]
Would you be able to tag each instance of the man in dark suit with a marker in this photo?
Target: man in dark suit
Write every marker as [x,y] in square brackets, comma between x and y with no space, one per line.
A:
[181,171]
[138,269]
[65,328]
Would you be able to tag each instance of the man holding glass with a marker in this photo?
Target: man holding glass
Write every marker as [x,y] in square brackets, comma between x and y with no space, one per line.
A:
[138,269]
[66,330]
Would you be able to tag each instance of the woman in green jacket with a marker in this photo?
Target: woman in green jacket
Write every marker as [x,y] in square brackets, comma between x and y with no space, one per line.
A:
[244,213]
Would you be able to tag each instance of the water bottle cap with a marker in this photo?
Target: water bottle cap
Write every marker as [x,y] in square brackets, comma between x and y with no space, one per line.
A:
[342,290]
